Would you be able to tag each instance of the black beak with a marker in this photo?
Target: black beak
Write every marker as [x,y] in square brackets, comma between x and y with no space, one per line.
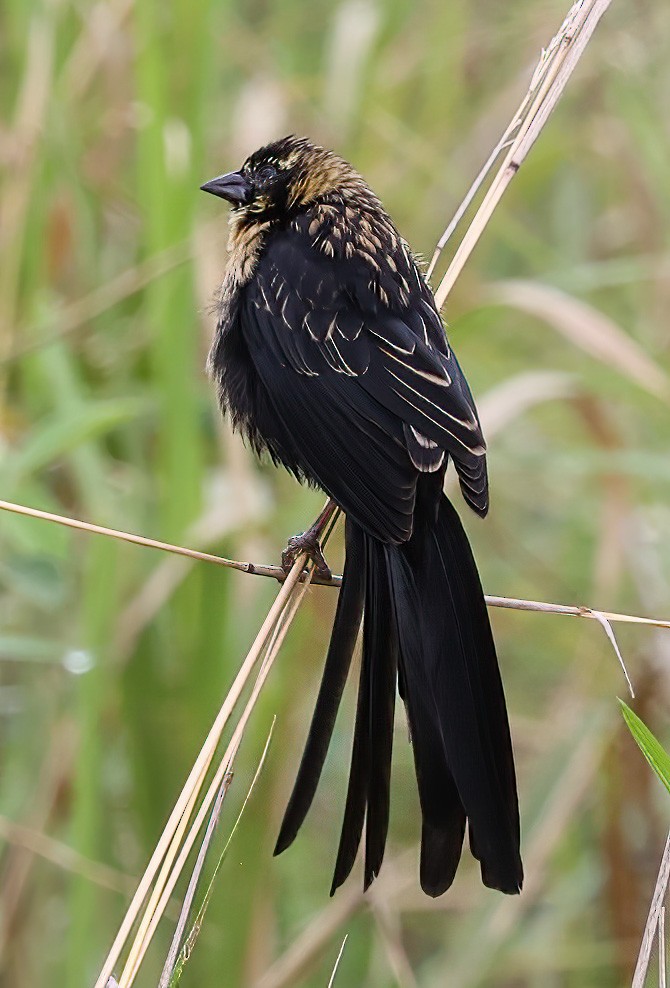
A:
[233,187]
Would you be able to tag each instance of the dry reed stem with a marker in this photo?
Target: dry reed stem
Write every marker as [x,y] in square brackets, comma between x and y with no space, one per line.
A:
[551,75]
[137,949]
[572,610]
[196,776]
[159,903]
[173,951]
[652,924]
[114,533]
[471,193]
[277,573]
[189,942]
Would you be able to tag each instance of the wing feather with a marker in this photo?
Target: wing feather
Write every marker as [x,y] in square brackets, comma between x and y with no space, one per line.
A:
[324,318]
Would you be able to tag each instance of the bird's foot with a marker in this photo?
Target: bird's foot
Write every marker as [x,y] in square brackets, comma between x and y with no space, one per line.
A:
[306,543]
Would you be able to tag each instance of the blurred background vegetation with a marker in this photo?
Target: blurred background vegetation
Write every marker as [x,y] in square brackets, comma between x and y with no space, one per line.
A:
[113,658]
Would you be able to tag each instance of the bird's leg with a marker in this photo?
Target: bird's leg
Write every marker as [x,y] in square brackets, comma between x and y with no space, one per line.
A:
[308,542]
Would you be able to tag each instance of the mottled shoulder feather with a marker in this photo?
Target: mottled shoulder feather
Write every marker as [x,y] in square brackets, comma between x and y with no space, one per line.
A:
[356,228]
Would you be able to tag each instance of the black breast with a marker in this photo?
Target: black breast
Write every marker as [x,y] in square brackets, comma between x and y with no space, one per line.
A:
[242,395]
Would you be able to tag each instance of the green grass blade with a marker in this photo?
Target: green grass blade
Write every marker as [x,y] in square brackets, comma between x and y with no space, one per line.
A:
[650,746]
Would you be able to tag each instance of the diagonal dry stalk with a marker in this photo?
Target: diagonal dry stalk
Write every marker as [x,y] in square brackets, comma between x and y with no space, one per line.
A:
[172,958]
[653,925]
[187,903]
[556,65]
[189,941]
[167,849]
[152,919]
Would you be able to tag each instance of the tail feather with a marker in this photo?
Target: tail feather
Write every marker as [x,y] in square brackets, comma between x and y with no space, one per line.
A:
[368,796]
[338,661]
[426,627]
[467,695]
[381,649]
[443,815]
[354,810]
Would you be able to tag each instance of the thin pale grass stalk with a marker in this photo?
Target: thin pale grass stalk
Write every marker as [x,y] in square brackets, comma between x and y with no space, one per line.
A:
[602,617]
[504,142]
[189,943]
[277,573]
[571,610]
[255,569]
[196,776]
[661,949]
[652,924]
[331,980]
[555,67]
[604,623]
[161,895]
[184,912]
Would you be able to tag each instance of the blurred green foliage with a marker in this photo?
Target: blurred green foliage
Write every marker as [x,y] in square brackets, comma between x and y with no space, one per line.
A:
[113,659]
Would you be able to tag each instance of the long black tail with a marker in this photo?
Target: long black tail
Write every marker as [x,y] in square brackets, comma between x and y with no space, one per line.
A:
[426,627]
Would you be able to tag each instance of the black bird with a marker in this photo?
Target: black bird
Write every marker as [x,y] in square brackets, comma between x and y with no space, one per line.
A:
[331,356]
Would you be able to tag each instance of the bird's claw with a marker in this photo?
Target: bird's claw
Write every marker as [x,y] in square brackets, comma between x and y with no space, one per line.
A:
[306,543]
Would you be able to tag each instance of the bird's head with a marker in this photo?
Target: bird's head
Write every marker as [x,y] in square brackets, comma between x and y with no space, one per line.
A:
[282,178]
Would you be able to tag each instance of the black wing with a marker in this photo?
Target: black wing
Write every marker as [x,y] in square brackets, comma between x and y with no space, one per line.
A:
[363,386]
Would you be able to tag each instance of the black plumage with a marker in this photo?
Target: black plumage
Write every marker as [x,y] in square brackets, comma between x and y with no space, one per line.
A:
[331,356]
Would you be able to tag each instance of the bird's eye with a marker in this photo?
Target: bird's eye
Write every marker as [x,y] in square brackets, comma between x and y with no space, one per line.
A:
[266,174]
